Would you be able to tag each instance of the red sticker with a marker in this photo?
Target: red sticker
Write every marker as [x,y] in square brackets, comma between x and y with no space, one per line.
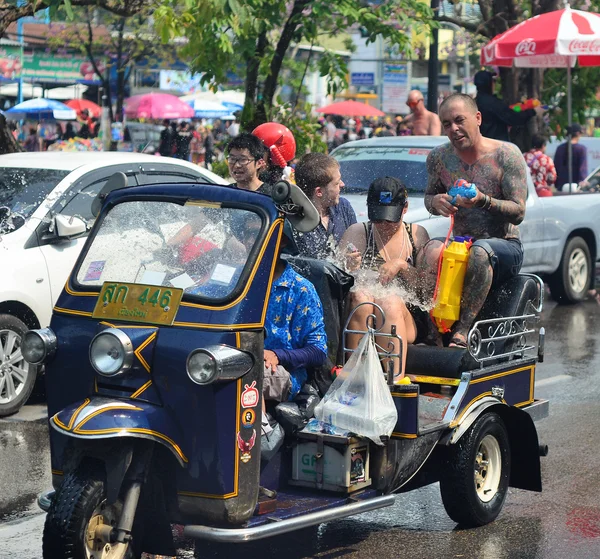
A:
[249,396]
[246,446]
[418,151]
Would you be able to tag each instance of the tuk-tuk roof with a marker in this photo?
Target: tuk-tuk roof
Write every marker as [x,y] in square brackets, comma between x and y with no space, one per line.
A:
[229,194]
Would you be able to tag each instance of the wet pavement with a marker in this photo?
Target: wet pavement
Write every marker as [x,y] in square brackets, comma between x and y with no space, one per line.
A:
[561,522]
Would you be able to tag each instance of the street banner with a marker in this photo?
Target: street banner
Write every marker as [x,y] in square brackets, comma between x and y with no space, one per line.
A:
[395,88]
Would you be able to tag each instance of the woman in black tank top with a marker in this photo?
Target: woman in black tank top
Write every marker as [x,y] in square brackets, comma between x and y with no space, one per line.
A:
[388,246]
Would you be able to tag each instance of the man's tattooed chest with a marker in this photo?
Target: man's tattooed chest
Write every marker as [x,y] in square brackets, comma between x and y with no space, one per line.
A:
[486,173]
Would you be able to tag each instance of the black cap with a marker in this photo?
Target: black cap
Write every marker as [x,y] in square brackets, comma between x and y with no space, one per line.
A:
[386,199]
[483,78]
[574,129]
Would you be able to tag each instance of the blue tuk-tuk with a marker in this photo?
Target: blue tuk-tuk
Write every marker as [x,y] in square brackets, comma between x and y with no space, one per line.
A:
[154,364]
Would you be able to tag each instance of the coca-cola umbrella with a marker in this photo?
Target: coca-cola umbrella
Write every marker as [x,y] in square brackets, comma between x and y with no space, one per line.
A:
[556,39]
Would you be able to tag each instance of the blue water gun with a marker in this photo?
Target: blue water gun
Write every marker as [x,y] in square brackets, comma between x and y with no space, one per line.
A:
[462,188]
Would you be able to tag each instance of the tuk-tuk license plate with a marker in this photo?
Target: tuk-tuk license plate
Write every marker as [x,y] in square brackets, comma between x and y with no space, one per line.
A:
[133,302]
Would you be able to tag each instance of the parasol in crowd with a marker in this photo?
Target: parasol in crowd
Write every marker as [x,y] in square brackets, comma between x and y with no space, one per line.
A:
[80,105]
[350,108]
[41,109]
[157,105]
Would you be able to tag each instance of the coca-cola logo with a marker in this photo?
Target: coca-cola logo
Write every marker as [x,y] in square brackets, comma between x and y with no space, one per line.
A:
[488,54]
[578,46]
[525,48]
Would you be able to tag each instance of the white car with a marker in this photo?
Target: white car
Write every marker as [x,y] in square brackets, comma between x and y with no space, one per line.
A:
[45,214]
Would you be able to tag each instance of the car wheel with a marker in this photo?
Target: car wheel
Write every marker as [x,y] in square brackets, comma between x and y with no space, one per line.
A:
[571,282]
[474,483]
[17,377]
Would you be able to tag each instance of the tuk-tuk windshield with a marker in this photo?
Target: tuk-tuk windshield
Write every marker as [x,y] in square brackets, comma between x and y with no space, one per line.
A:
[199,247]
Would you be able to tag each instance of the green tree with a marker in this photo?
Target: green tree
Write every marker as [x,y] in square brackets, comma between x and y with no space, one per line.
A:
[107,38]
[254,38]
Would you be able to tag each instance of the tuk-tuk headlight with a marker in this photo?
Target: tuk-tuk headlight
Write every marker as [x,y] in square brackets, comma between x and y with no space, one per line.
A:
[219,362]
[38,345]
[111,352]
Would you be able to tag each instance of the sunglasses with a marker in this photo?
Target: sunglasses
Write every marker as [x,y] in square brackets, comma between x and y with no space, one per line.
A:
[412,104]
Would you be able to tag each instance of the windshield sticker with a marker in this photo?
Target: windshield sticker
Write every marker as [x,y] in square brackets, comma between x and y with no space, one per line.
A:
[222,274]
[94,272]
[183,281]
[418,151]
[151,277]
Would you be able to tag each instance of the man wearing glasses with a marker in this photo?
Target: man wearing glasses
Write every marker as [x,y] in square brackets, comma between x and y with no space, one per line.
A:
[421,121]
[246,160]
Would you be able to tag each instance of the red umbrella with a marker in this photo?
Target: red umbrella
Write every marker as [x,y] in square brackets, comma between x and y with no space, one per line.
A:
[157,105]
[350,108]
[79,105]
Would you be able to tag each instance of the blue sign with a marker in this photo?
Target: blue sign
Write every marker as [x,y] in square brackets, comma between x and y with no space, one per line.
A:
[362,78]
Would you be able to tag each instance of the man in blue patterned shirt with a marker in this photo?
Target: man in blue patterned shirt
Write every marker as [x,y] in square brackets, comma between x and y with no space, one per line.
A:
[295,332]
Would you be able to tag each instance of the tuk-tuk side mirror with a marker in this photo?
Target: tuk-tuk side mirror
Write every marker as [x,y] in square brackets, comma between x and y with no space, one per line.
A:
[296,206]
[69,226]
[115,181]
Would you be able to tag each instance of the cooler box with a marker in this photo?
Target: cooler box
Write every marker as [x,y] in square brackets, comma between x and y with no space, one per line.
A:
[331,462]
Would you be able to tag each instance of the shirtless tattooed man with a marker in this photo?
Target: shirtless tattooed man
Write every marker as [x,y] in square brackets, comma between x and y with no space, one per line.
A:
[498,171]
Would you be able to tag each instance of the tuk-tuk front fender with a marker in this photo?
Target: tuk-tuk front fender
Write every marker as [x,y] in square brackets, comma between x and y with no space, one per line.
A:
[111,418]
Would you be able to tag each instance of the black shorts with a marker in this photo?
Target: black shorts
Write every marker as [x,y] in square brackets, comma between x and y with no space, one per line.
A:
[506,257]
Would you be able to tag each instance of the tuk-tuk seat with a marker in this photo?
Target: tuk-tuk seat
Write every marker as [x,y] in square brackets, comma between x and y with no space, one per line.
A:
[511,298]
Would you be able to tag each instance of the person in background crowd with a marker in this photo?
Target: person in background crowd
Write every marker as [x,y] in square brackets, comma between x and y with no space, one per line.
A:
[197,145]
[94,127]
[69,132]
[234,128]
[84,130]
[319,177]
[579,161]
[421,121]
[167,139]
[209,148]
[541,166]
[330,130]
[496,115]
[32,142]
[184,137]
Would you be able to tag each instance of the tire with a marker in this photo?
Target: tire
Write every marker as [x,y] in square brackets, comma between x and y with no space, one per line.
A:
[17,377]
[571,282]
[77,508]
[473,491]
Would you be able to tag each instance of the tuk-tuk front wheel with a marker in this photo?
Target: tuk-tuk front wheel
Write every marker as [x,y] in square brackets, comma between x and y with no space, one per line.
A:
[474,483]
[79,519]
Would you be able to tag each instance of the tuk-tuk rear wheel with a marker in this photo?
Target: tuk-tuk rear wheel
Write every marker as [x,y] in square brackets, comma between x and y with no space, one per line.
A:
[78,516]
[474,483]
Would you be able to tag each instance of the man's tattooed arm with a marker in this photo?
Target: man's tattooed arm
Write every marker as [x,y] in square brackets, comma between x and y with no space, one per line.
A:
[433,180]
[514,186]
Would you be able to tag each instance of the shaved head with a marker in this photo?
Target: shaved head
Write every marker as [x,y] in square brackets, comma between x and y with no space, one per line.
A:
[415,95]
[469,103]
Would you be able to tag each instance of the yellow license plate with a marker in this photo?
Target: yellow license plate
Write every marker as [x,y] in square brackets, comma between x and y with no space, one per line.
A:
[133,302]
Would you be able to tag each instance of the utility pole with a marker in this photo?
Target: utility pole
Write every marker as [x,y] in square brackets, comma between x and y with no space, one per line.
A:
[432,68]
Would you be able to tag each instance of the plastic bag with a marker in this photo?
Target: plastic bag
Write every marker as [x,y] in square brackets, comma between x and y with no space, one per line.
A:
[293,416]
[271,439]
[359,399]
